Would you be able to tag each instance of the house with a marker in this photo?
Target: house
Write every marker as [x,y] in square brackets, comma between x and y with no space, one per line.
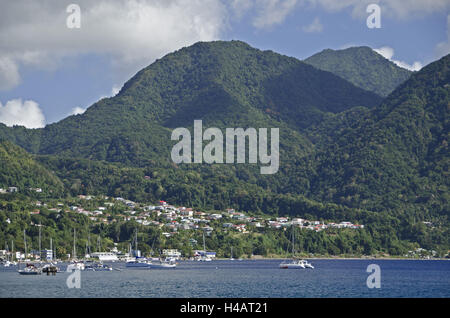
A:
[297,221]
[237,216]
[274,225]
[187,212]
[171,253]
[257,224]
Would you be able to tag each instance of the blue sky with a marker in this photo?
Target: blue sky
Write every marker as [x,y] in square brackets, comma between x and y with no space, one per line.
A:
[48,71]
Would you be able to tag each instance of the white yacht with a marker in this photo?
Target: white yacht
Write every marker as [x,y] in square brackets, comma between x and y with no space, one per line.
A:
[75,266]
[166,263]
[295,263]
[138,263]
[105,256]
[203,257]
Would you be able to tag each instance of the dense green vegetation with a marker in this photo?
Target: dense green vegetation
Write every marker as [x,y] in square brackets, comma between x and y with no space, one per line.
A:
[363,67]
[19,169]
[379,238]
[345,154]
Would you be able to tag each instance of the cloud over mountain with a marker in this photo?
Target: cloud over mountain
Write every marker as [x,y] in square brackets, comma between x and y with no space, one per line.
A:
[131,32]
[16,112]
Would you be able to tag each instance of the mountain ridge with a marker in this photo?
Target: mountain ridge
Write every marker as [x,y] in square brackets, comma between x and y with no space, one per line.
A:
[363,67]
[350,148]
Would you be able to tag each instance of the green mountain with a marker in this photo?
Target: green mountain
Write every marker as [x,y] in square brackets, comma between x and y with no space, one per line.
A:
[226,84]
[345,153]
[396,154]
[362,67]
[339,144]
[19,169]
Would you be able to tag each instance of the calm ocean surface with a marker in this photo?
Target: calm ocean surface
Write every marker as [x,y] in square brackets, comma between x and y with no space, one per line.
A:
[241,279]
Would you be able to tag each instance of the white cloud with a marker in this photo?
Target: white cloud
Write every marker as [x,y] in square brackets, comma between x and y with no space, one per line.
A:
[9,73]
[115,90]
[133,33]
[77,111]
[272,12]
[241,7]
[26,114]
[268,13]
[388,52]
[397,9]
[443,48]
[314,27]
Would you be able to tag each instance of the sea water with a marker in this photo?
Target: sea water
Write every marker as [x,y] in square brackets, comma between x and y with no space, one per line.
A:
[241,279]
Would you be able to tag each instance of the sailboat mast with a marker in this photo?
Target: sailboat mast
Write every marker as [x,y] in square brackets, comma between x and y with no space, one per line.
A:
[293,241]
[89,244]
[40,249]
[204,245]
[98,244]
[25,242]
[74,247]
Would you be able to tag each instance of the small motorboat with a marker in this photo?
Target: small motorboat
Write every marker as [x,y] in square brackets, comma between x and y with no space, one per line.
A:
[296,263]
[30,269]
[75,266]
[97,267]
[166,263]
[138,263]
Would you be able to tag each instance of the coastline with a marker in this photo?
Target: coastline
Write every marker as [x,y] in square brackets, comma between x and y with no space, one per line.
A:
[338,258]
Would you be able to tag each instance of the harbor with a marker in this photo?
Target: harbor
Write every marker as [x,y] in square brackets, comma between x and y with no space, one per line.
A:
[246,278]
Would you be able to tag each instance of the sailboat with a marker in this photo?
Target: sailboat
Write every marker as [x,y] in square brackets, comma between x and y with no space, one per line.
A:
[137,262]
[204,257]
[10,261]
[163,263]
[30,269]
[75,264]
[295,262]
[231,257]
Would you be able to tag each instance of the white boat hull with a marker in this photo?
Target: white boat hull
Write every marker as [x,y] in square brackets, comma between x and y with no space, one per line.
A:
[302,264]
[287,266]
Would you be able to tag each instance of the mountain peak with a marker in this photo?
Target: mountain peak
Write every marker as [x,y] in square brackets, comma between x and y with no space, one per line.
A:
[363,67]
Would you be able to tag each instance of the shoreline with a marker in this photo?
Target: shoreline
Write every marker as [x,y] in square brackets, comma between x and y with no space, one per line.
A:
[338,258]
